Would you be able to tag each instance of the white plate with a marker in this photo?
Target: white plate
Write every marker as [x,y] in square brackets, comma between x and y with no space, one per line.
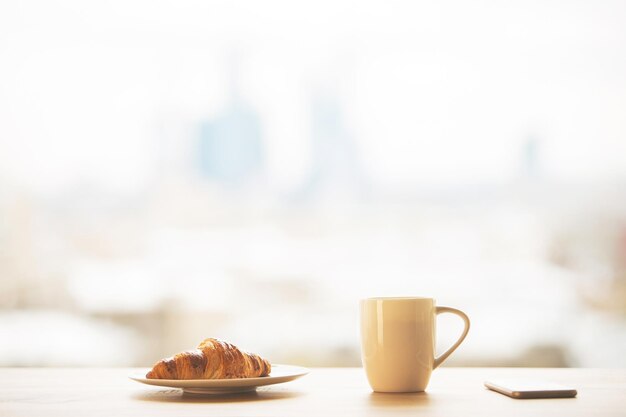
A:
[279,374]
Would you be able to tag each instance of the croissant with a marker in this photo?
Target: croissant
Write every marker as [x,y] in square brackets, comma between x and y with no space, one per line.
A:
[212,359]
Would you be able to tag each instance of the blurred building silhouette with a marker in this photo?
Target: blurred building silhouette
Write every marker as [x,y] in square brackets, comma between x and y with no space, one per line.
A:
[230,147]
[531,147]
[336,168]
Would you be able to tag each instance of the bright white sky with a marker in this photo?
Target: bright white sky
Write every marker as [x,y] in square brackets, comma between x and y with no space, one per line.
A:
[433,93]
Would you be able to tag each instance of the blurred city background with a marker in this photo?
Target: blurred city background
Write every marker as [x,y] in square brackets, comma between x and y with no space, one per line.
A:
[248,170]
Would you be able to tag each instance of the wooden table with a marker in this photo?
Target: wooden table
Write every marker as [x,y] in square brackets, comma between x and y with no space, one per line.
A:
[324,392]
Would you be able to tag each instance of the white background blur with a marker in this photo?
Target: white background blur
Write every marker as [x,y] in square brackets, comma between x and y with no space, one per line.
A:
[248,170]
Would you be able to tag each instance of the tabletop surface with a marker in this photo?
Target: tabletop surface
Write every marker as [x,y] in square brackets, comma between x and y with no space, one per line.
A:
[323,392]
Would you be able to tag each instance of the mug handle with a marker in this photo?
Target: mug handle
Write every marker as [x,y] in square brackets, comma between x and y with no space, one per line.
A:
[439,310]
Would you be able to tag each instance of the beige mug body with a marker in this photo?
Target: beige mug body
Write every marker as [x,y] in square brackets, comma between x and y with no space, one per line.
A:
[398,338]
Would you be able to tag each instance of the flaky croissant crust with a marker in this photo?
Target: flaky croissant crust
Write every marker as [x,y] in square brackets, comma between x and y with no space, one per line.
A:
[212,359]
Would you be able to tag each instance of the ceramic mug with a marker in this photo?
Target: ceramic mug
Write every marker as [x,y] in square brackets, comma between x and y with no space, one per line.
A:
[398,342]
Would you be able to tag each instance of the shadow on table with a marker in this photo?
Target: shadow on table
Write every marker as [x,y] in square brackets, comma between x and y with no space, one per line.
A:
[177,396]
[412,399]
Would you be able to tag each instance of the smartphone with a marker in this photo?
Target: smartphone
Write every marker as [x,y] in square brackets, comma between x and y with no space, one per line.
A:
[523,388]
